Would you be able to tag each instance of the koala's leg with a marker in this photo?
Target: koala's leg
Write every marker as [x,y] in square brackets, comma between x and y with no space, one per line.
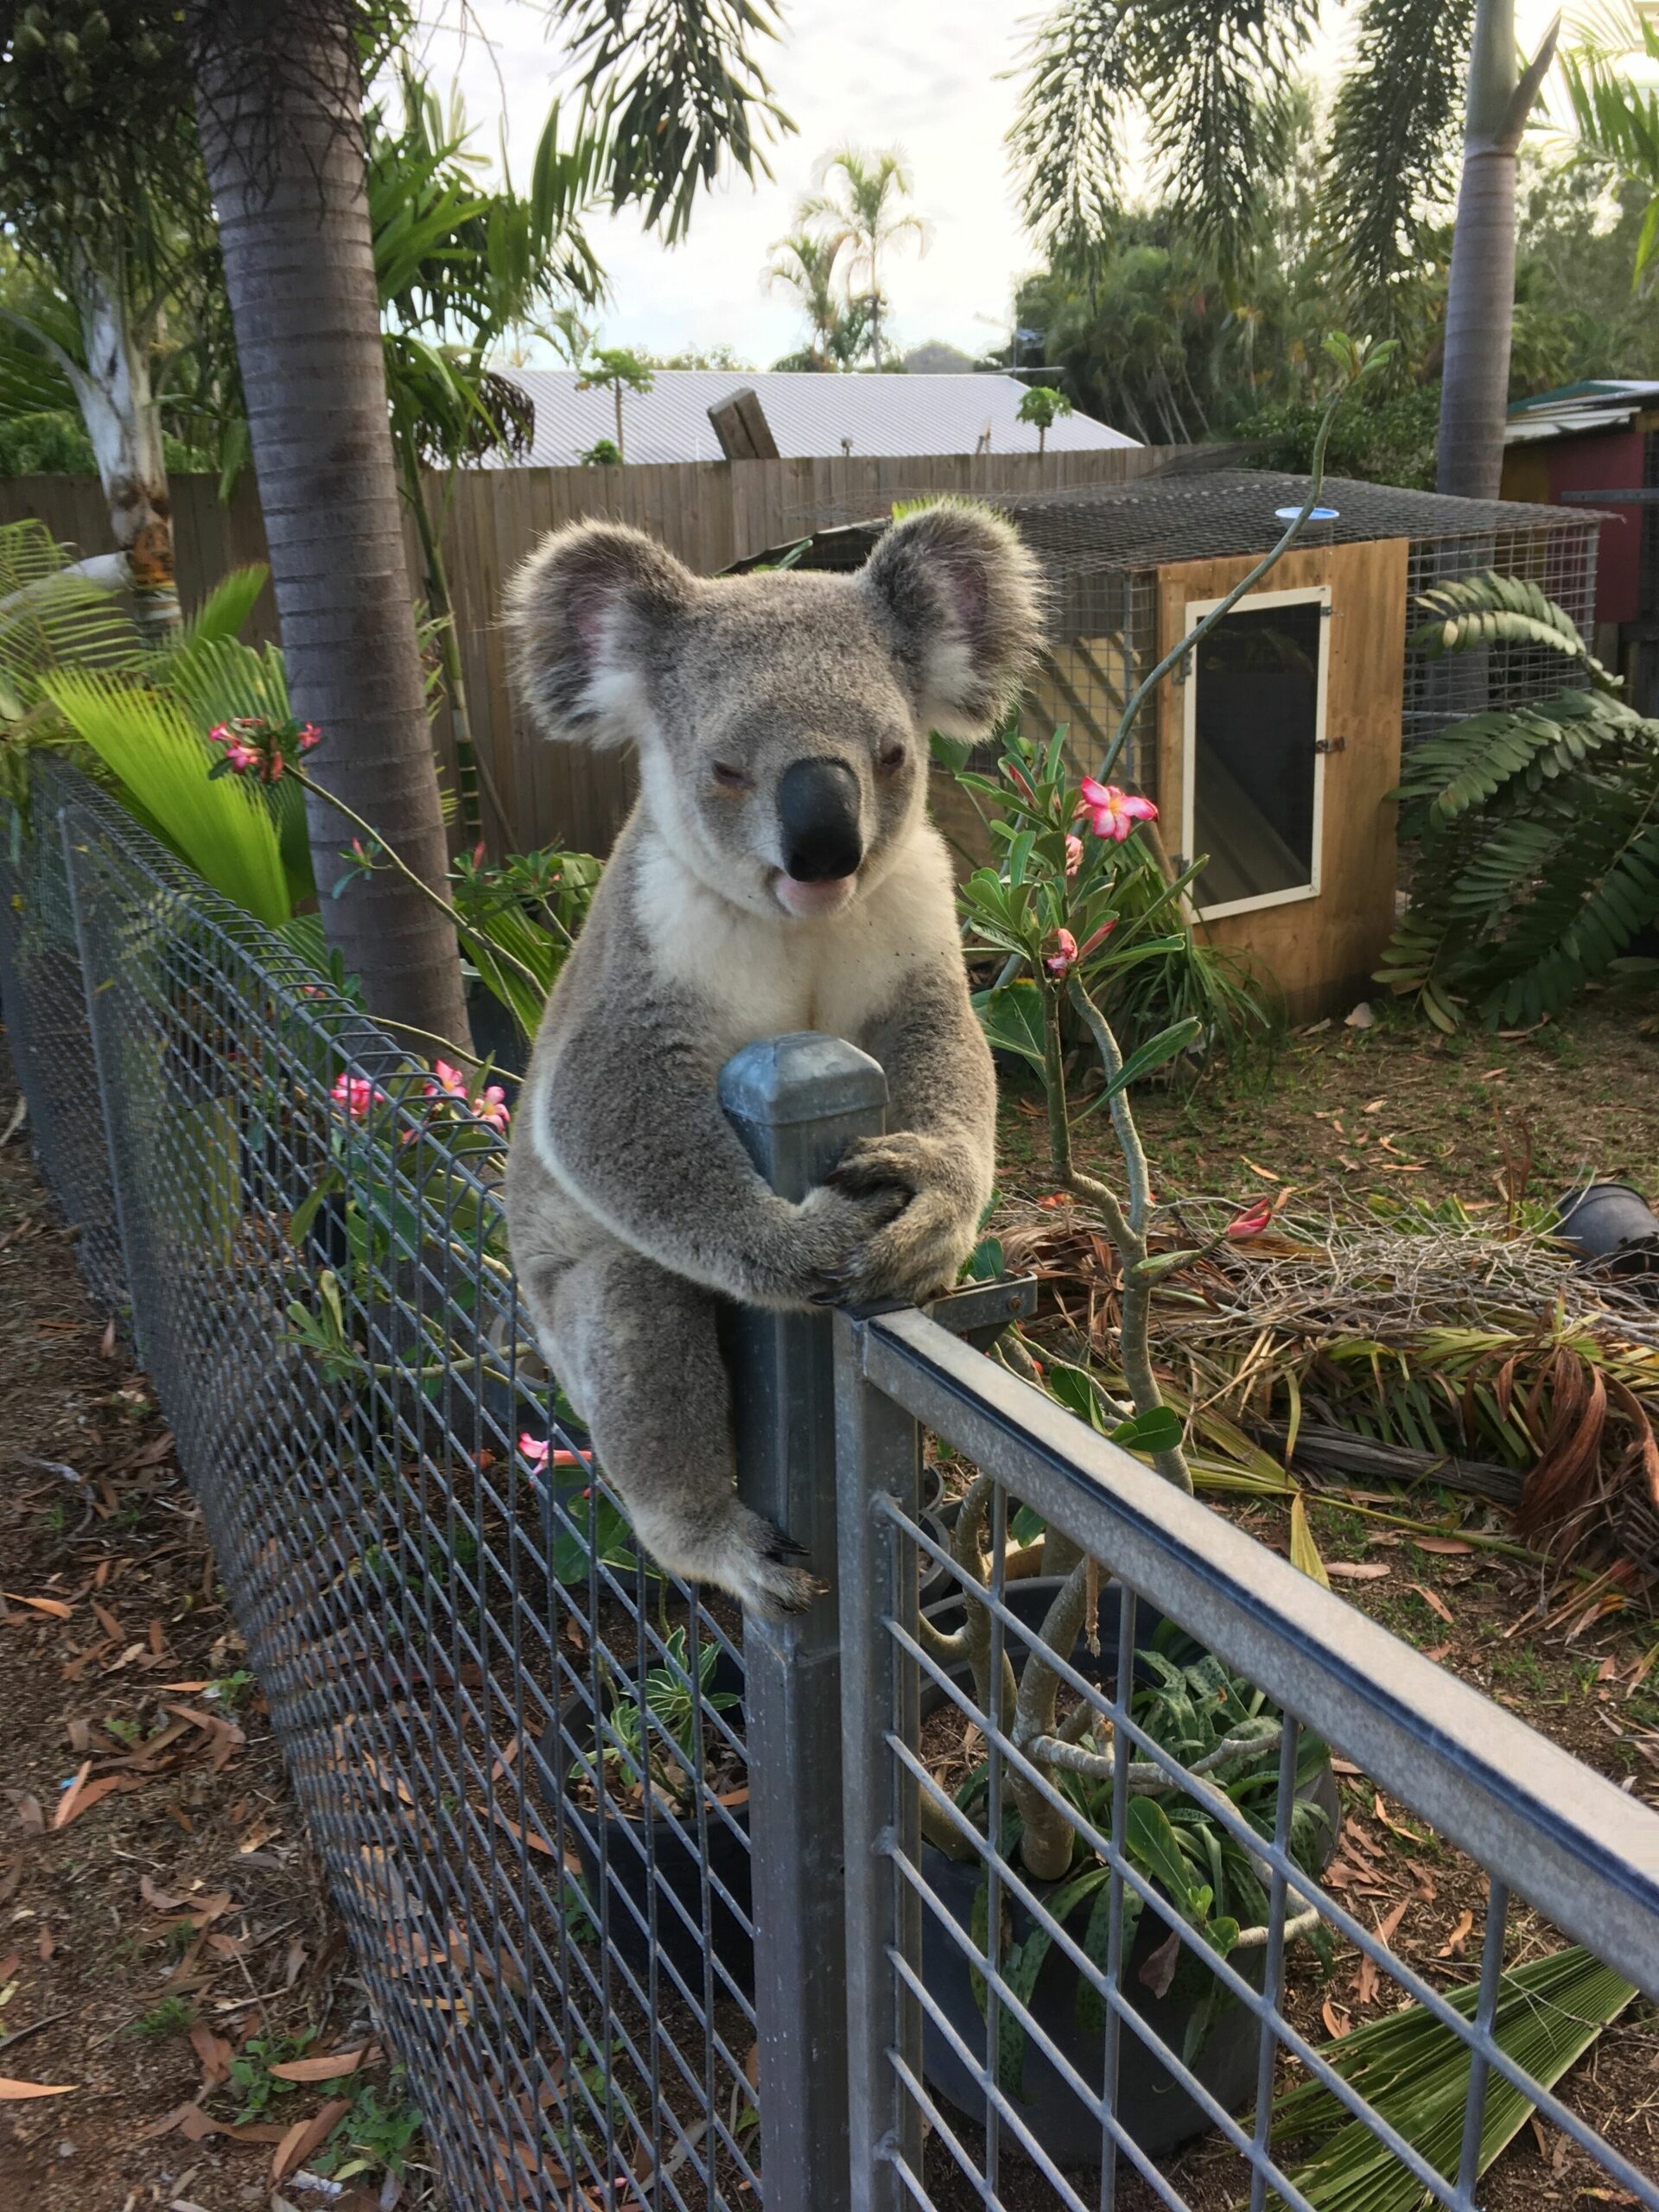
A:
[635,1351]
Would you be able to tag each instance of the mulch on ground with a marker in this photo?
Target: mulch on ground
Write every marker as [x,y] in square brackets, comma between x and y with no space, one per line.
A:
[164,1940]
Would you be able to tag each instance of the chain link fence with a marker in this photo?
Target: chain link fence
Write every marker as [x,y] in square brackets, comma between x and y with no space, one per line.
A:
[484,1695]
[966,1890]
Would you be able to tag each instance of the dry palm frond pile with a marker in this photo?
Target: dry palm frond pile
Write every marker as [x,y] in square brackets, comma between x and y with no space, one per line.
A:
[1381,1342]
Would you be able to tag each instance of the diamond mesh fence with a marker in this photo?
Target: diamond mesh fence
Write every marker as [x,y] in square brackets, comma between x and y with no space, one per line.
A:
[511,1740]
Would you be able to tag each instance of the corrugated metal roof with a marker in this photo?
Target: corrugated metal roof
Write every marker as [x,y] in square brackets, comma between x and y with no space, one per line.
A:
[1183,515]
[1596,404]
[811,415]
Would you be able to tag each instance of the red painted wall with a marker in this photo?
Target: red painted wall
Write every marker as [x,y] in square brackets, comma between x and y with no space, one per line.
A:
[1605,460]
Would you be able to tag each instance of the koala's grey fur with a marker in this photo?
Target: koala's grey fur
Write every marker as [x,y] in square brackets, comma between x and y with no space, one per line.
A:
[631,1202]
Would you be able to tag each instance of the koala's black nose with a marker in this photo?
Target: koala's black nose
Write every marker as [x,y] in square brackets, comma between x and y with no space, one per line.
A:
[817,811]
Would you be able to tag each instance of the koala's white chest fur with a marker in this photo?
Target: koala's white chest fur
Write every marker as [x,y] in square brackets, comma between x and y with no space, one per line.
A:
[761,977]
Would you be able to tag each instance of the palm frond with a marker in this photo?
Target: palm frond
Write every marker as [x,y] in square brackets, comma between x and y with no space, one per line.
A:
[1414,2072]
[1209,72]
[51,616]
[225,612]
[221,826]
[1394,138]
[1064,145]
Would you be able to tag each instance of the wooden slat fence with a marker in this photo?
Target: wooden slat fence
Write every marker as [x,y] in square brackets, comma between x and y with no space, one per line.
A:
[709,513]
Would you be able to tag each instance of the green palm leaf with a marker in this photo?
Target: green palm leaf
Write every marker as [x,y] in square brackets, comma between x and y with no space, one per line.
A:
[221,826]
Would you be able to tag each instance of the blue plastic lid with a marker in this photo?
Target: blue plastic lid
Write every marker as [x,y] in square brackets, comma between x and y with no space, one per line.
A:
[1314,514]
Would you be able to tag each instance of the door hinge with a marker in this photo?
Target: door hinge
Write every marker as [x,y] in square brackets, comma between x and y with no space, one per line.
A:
[1329,745]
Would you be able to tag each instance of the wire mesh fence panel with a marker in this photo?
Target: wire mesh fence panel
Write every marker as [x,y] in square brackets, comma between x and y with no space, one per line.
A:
[1188,1885]
[45,1010]
[518,1750]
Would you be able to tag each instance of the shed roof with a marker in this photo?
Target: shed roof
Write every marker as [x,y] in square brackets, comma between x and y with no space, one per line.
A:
[1593,403]
[809,416]
[1189,514]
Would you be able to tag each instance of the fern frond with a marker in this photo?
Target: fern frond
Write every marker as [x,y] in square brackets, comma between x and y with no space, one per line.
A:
[1489,609]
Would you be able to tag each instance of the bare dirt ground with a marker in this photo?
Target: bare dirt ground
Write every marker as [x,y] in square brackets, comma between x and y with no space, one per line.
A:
[164,1942]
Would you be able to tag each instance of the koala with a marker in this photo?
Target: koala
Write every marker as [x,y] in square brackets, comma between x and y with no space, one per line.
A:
[779,873]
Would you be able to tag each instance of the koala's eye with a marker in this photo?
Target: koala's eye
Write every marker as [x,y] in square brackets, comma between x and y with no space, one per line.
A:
[731,779]
[890,756]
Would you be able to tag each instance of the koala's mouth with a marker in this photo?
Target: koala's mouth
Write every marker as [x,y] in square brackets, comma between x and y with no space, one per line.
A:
[797,896]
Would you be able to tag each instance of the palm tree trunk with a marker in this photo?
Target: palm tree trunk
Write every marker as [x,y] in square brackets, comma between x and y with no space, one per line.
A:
[1480,291]
[279,102]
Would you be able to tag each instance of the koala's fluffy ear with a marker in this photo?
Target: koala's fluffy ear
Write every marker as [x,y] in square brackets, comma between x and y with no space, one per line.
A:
[959,596]
[589,614]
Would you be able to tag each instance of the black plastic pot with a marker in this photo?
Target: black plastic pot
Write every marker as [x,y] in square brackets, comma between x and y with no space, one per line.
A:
[645,1858]
[1152,2106]
[1613,1224]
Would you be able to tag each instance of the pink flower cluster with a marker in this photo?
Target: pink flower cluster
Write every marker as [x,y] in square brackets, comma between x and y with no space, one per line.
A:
[489,1105]
[356,1096]
[1112,813]
[538,1454]
[256,747]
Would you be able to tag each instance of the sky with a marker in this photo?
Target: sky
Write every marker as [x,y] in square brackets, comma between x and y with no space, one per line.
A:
[928,76]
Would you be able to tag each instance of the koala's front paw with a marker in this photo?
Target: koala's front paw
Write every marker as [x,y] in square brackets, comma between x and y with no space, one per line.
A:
[917,1253]
[831,1231]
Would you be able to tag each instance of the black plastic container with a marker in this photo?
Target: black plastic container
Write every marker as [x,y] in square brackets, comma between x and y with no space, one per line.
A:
[1152,2105]
[1613,1225]
[644,1856]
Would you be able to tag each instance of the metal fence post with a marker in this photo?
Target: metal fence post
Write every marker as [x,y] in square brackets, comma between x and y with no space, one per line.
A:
[796,1101]
[878,1452]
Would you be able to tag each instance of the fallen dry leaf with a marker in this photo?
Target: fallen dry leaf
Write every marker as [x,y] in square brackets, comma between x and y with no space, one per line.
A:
[1446,1547]
[1358,1570]
[327,2066]
[1336,2022]
[214,2053]
[304,2136]
[82,1795]
[30,1814]
[1453,1947]
[1435,1603]
[56,1606]
[14,2091]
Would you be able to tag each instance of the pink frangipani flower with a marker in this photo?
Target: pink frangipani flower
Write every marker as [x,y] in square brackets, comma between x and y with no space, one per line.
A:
[1062,957]
[538,1451]
[1251,1221]
[1112,813]
[447,1082]
[1073,855]
[491,1106]
[357,1095]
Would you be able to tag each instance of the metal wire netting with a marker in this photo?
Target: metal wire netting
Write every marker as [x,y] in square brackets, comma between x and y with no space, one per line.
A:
[509,1738]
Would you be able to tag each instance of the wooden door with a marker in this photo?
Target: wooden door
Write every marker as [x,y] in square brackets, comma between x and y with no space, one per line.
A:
[1319,939]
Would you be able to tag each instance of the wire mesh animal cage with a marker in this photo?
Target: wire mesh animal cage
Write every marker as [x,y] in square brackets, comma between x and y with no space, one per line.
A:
[1273,750]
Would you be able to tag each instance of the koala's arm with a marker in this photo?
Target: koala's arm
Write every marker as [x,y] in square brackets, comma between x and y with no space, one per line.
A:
[630,1122]
[941,1142]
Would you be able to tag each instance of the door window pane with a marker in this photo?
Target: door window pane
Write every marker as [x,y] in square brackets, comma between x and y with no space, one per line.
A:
[1256,717]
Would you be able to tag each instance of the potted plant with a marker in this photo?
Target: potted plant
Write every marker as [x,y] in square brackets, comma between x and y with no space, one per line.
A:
[1213,1723]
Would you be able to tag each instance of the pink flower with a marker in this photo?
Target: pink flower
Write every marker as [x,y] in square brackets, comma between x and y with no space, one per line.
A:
[1099,937]
[1063,957]
[538,1453]
[1251,1222]
[1112,813]
[448,1083]
[306,735]
[357,1095]
[1020,782]
[1073,855]
[491,1107]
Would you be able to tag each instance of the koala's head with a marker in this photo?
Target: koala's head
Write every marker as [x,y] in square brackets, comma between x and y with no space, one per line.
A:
[782,720]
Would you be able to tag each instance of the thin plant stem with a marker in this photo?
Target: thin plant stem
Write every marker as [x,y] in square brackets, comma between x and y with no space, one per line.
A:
[463,930]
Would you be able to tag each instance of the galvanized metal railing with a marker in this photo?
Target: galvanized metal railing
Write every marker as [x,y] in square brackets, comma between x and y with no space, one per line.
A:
[663,1909]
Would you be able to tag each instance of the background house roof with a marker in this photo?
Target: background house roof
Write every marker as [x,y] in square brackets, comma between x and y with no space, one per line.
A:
[809,416]
[1594,403]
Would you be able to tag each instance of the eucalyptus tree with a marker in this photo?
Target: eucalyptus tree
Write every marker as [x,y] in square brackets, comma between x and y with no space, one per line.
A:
[1210,78]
